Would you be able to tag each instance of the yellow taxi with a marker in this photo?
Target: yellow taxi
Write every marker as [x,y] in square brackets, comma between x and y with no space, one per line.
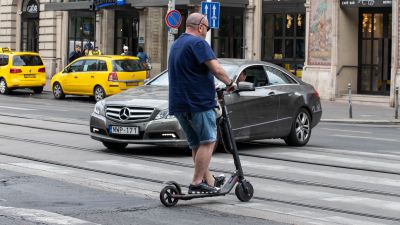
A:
[21,70]
[98,76]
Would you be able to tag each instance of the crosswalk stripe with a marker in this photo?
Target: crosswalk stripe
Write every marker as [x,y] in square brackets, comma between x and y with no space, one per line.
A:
[318,173]
[342,159]
[41,216]
[369,202]
[16,108]
[137,167]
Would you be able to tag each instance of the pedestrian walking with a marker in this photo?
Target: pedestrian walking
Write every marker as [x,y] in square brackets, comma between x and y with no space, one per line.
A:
[191,66]
[125,51]
[75,54]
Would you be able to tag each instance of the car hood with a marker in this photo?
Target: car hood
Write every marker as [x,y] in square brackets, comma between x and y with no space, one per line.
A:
[143,96]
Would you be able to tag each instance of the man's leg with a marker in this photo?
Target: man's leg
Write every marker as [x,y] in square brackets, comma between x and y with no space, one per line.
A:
[208,176]
[202,158]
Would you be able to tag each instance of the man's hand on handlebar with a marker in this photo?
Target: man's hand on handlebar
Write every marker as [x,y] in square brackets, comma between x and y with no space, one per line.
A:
[231,88]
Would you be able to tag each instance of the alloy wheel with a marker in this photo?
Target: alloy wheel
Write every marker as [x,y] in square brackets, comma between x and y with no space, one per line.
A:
[99,93]
[2,86]
[57,91]
[302,126]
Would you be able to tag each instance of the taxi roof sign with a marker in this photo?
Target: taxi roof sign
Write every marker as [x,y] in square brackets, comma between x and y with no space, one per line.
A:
[4,50]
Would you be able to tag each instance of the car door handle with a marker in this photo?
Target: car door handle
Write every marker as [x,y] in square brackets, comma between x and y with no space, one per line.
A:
[92,76]
[271,93]
[75,76]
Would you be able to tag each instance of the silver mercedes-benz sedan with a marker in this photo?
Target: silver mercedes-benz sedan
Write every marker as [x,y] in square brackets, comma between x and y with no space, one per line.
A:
[277,105]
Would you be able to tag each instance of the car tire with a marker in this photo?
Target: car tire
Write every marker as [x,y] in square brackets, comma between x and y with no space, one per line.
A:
[3,87]
[37,90]
[300,132]
[99,93]
[114,145]
[58,91]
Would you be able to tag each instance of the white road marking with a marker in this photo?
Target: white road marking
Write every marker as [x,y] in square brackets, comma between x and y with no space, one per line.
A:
[43,167]
[353,131]
[363,162]
[385,153]
[41,216]
[137,167]
[320,173]
[17,108]
[369,202]
[369,138]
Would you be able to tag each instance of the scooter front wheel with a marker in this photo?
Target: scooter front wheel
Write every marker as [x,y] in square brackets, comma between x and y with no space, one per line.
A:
[244,191]
[166,195]
[173,183]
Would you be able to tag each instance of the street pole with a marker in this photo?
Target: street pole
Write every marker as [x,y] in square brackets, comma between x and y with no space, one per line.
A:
[171,37]
[396,103]
[350,104]
[208,37]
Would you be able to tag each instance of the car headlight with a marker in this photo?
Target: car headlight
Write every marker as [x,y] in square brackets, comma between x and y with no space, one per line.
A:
[164,114]
[99,108]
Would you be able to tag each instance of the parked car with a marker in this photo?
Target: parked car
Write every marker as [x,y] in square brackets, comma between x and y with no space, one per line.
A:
[21,70]
[98,76]
[279,106]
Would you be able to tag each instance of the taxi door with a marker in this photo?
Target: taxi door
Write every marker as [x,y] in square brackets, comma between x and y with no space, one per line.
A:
[85,78]
[70,83]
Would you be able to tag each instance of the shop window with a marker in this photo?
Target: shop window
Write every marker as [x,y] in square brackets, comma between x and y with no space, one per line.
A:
[284,40]
[81,31]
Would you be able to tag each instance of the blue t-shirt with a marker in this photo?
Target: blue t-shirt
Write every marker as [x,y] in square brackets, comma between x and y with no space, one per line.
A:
[142,57]
[191,84]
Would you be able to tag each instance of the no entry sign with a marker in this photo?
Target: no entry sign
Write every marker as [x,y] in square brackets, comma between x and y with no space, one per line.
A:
[173,19]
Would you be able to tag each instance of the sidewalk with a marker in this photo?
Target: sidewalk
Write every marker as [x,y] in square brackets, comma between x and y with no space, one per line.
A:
[333,111]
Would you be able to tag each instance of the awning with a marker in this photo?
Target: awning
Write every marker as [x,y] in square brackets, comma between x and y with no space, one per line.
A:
[365,3]
[67,6]
[162,3]
[85,5]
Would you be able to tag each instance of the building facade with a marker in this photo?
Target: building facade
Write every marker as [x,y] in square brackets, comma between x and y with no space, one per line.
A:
[328,43]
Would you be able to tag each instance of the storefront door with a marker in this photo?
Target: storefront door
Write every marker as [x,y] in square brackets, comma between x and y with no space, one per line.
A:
[227,41]
[30,26]
[126,31]
[374,75]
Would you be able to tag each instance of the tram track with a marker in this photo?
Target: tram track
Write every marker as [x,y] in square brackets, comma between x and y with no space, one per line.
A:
[264,199]
[214,169]
[242,154]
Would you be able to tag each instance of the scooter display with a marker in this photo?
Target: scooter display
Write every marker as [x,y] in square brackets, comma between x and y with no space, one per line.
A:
[172,193]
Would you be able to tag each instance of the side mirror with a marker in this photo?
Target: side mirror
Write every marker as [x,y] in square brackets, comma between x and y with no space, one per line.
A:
[245,86]
[67,70]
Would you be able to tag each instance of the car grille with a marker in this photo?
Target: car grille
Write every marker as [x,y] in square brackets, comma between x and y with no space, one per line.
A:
[124,113]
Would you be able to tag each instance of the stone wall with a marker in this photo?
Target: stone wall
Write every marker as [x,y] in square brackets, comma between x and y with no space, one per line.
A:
[8,18]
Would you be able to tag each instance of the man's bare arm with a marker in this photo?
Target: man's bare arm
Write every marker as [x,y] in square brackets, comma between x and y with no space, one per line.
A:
[218,71]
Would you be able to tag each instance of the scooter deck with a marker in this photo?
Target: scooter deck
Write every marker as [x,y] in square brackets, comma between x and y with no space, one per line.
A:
[191,196]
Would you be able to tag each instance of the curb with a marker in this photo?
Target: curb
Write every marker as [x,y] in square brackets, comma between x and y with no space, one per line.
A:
[357,121]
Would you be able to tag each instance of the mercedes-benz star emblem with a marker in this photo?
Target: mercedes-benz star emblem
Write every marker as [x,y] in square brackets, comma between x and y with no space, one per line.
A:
[124,113]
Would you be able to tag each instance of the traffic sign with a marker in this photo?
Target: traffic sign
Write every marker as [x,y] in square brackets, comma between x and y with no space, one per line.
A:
[211,10]
[173,19]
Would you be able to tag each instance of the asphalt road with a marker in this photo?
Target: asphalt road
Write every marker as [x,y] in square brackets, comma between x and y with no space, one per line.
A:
[347,174]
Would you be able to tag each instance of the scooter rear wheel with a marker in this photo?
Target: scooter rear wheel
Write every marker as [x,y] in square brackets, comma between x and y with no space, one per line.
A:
[244,191]
[166,195]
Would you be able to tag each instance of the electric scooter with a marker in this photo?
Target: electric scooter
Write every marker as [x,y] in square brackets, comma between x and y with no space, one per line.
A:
[172,193]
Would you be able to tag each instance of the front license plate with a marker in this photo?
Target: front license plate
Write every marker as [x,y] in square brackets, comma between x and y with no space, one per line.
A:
[131,83]
[29,76]
[124,130]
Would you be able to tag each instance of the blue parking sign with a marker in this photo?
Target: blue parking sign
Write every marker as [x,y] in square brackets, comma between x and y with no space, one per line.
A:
[211,9]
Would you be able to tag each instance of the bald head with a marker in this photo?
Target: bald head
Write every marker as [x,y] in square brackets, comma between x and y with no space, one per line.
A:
[195,24]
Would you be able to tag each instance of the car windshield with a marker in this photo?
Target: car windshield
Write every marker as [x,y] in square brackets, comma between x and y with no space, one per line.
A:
[162,80]
[127,66]
[27,60]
